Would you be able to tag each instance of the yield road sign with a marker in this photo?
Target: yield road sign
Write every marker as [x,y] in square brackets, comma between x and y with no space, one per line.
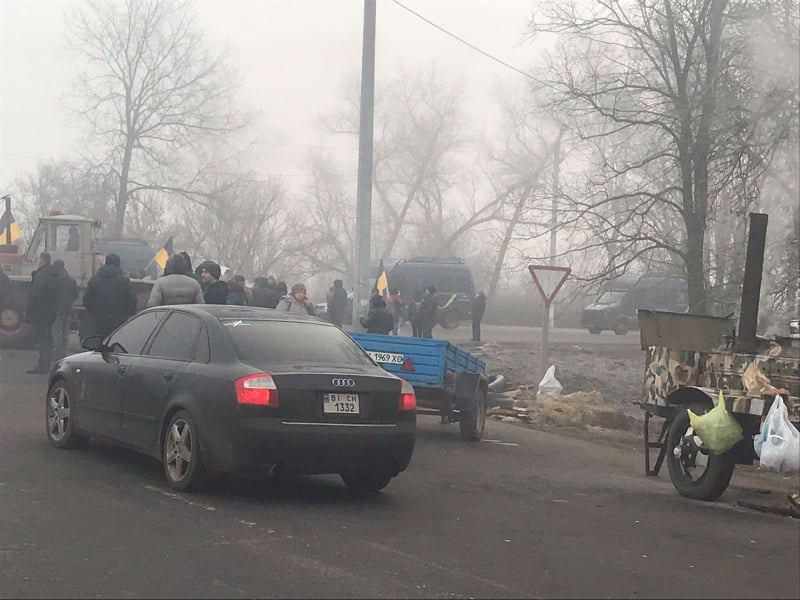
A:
[549,279]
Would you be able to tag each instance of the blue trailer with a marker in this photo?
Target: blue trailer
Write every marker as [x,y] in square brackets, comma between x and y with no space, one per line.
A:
[449,382]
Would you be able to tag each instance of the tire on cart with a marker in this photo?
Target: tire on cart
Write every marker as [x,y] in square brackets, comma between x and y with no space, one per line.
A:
[473,412]
[696,473]
[14,332]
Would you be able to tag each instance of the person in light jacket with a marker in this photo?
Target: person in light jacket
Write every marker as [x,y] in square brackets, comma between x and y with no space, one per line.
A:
[175,287]
[297,302]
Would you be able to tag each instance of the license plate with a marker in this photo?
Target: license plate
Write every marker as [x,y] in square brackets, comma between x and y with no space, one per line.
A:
[388,358]
[340,404]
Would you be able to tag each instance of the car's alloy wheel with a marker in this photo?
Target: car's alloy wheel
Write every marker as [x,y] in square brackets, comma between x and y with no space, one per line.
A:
[59,416]
[181,454]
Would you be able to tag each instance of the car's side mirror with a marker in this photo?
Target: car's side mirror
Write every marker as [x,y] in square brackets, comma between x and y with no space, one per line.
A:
[94,343]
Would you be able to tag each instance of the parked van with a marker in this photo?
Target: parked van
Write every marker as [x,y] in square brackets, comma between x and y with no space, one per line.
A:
[615,308]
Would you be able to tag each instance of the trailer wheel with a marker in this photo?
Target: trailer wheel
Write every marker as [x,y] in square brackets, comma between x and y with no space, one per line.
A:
[13,330]
[449,320]
[595,330]
[694,472]
[473,422]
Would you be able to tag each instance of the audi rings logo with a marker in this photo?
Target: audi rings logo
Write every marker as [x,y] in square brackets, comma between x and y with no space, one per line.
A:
[343,382]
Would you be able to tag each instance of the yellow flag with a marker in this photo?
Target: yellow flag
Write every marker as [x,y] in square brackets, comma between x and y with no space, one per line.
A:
[382,285]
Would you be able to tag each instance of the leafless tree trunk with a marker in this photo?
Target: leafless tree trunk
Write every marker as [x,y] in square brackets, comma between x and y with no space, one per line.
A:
[149,90]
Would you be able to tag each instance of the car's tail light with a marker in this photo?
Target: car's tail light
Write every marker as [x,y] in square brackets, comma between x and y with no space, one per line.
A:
[408,399]
[257,389]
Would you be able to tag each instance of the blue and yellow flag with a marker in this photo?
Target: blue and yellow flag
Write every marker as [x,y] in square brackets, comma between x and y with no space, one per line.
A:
[162,256]
[9,224]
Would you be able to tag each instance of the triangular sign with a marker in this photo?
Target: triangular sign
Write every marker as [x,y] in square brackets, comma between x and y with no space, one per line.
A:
[549,279]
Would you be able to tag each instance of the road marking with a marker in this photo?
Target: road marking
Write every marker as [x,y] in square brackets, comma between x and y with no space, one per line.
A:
[174,496]
[500,443]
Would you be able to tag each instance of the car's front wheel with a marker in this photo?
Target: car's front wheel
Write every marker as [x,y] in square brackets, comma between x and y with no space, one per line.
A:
[366,482]
[58,411]
[181,453]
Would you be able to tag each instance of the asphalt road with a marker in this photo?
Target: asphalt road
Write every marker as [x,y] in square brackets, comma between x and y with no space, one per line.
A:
[523,514]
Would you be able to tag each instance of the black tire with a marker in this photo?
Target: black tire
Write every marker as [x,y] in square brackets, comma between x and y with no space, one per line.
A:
[58,419]
[180,455]
[595,331]
[14,332]
[366,482]
[621,330]
[449,320]
[711,484]
[473,423]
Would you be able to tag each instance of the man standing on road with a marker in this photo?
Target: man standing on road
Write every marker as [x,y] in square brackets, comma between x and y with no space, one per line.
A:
[379,319]
[337,303]
[67,294]
[428,312]
[215,291]
[109,297]
[395,305]
[42,310]
[478,310]
[176,286]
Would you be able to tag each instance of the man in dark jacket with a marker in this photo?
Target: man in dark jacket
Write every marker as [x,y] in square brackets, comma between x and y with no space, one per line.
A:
[337,303]
[42,311]
[215,291]
[109,298]
[428,311]
[67,294]
[478,310]
[379,319]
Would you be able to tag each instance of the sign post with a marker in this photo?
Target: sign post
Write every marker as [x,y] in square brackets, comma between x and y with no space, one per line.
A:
[549,280]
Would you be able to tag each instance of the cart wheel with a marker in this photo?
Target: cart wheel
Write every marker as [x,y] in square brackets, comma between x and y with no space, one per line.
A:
[473,423]
[695,472]
[449,320]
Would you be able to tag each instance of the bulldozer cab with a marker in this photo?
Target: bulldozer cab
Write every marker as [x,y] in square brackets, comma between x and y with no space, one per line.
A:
[70,238]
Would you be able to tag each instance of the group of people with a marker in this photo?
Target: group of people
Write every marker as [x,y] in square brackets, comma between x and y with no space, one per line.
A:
[110,299]
[386,313]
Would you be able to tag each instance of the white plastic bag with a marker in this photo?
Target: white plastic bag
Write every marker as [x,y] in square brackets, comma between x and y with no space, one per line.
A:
[780,450]
[549,384]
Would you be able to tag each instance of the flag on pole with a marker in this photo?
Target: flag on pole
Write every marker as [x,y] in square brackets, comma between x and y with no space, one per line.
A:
[9,224]
[382,284]
[162,256]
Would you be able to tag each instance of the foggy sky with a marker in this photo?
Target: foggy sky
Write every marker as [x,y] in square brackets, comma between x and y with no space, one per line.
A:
[292,57]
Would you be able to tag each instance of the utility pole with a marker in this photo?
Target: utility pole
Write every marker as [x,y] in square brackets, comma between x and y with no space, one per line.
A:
[365,135]
[551,316]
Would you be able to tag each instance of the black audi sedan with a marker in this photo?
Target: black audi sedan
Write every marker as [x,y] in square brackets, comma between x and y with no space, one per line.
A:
[209,389]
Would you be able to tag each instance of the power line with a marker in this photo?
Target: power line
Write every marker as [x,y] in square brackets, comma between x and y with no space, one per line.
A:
[463,41]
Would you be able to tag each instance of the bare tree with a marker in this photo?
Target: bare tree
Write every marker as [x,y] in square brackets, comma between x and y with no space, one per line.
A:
[669,83]
[149,89]
[245,225]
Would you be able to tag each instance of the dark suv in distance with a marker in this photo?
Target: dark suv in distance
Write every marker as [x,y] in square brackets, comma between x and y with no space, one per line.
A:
[615,308]
[451,277]
[207,389]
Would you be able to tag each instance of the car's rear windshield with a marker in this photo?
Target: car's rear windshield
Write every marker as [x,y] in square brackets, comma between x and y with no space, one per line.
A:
[293,343]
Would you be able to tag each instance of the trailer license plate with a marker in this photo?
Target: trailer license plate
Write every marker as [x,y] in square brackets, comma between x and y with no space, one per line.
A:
[340,404]
[388,358]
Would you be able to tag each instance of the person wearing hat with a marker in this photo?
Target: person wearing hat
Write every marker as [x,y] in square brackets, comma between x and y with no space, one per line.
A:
[109,299]
[215,291]
[297,302]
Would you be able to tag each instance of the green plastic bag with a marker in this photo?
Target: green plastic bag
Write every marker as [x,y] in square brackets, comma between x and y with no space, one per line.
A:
[717,429]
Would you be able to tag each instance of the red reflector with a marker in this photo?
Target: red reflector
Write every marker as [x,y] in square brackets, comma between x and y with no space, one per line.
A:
[258,389]
[408,365]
